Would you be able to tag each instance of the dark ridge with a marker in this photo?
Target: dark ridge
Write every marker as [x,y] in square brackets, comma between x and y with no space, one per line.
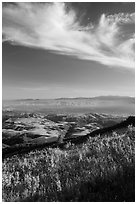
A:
[23,148]
[129,121]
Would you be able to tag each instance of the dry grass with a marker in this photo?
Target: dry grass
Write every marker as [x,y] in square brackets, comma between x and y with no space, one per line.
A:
[102,169]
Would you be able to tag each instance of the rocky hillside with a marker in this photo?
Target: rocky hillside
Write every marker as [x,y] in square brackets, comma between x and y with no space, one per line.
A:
[25,131]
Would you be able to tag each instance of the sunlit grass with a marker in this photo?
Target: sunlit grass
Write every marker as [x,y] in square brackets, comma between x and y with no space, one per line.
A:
[102,169]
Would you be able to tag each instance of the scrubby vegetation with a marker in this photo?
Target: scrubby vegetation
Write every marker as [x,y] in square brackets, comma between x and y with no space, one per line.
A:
[101,169]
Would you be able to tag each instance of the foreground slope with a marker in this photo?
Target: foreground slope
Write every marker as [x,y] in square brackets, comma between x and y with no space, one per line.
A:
[101,169]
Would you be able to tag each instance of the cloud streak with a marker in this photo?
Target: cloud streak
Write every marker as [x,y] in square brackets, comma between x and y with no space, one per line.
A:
[51,27]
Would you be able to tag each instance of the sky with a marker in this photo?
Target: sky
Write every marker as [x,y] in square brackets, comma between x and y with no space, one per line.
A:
[53,50]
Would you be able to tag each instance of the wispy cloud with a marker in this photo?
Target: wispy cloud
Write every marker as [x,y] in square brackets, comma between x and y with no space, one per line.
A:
[50,26]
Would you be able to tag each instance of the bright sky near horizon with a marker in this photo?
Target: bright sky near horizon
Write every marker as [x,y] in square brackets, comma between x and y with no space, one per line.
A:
[53,50]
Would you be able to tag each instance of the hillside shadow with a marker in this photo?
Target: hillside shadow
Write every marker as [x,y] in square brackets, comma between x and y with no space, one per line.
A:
[115,188]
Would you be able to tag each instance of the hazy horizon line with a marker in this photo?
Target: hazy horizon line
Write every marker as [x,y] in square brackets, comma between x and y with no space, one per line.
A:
[79,97]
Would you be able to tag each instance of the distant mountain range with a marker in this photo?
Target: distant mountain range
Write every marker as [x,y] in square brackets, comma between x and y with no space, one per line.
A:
[100,104]
[109,97]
